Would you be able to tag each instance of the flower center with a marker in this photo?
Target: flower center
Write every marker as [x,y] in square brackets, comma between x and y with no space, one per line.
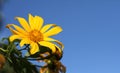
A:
[36,36]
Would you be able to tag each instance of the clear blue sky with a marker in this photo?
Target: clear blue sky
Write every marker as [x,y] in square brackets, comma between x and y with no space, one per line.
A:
[91,30]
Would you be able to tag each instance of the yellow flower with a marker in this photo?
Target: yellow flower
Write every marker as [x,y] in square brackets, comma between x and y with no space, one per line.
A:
[34,34]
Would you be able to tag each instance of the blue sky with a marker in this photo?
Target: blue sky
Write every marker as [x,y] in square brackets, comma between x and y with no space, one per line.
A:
[91,30]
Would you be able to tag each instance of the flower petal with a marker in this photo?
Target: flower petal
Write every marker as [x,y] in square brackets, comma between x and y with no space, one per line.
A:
[14,31]
[48,44]
[23,23]
[46,27]
[24,41]
[11,29]
[53,31]
[56,41]
[38,22]
[22,31]
[34,48]
[31,21]
[13,37]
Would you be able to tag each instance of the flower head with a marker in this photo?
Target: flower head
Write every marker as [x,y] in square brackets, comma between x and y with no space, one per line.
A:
[34,34]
